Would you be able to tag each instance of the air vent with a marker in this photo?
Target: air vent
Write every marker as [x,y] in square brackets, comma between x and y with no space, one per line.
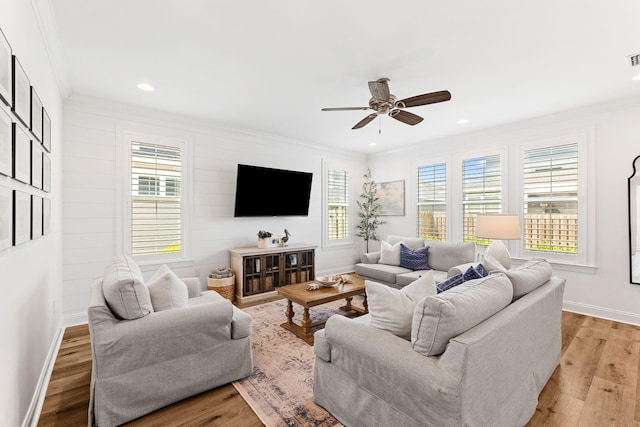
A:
[634,60]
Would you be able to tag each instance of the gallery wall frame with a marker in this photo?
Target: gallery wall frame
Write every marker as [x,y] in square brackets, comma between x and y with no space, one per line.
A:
[46,130]
[21,217]
[46,173]
[36,165]
[46,216]
[6,217]
[36,115]
[6,74]
[391,198]
[21,93]
[6,143]
[21,154]
[36,217]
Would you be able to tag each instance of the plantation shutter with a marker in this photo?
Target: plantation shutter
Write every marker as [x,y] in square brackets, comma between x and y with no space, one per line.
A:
[156,223]
[481,193]
[338,205]
[551,199]
[432,202]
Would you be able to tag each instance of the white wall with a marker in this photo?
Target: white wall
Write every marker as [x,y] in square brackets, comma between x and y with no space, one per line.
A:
[605,292]
[30,274]
[91,206]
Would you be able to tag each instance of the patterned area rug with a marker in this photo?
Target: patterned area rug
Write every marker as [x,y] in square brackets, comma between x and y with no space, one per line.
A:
[281,389]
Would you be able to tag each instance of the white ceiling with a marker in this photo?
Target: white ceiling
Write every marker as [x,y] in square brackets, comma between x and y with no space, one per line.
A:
[270,66]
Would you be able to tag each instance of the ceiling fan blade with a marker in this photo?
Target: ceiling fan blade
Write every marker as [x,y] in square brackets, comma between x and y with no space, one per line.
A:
[380,90]
[406,117]
[427,98]
[345,108]
[365,121]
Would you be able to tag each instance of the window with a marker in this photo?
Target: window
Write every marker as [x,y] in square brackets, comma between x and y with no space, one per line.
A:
[432,202]
[481,193]
[337,205]
[550,177]
[156,203]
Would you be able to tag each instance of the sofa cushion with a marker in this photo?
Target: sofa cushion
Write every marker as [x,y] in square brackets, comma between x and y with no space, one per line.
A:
[406,278]
[441,317]
[444,255]
[529,276]
[414,259]
[389,254]
[410,242]
[124,290]
[380,272]
[392,309]
[167,290]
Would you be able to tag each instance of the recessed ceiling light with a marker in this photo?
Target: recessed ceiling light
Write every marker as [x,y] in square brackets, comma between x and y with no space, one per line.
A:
[372,144]
[146,87]
[462,121]
[636,77]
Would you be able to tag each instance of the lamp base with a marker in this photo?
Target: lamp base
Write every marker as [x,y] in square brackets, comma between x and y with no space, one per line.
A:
[499,251]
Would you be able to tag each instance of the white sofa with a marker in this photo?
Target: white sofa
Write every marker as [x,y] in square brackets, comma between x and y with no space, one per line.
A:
[489,374]
[444,258]
[144,364]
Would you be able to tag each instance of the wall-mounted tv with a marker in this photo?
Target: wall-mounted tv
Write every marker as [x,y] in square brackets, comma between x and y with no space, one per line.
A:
[272,192]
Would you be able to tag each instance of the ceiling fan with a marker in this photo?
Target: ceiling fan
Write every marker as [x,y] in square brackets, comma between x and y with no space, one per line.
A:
[383,102]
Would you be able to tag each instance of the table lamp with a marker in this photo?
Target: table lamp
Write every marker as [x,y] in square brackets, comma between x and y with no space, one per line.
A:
[498,227]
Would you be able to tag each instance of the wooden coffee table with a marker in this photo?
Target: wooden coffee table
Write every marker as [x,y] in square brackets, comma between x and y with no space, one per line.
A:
[299,294]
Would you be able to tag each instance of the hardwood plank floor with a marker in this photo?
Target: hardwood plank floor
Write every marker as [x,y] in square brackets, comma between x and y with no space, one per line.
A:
[596,384]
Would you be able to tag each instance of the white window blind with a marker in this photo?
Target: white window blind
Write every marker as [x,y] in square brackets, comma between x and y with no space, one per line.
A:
[432,202]
[551,199]
[156,214]
[338,205]
[481,193]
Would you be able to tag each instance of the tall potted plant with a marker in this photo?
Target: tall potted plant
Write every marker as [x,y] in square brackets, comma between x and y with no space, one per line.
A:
[369,211]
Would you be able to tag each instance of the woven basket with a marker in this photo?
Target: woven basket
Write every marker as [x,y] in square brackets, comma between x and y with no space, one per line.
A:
[225,287]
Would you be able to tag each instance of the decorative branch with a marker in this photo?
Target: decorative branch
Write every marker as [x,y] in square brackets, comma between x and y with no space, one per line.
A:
[369,211]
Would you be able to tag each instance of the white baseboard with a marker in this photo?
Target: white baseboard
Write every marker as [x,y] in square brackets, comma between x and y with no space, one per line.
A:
[75,318]
[604,313]
[35,408]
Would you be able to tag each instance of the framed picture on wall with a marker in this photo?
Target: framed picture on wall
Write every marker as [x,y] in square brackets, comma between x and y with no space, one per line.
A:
[6,56]
[6,218]
[46,173]
[36,115]
[21,93]
[36,217]
[46,131]
[391,198]
[21,217]
[36,164]
[6,143]
[46,216]
[21,154]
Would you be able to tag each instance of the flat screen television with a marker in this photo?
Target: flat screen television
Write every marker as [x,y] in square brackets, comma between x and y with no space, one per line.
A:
[272,192]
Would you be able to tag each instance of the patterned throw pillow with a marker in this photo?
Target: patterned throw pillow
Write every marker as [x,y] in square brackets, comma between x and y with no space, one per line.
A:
[451,282]
[414,259]
[477,272]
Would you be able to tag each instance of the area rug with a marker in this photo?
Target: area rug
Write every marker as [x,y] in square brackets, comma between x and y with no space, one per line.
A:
[280,391]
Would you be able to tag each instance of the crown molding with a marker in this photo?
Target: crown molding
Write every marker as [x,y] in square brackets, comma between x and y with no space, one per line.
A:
[49,32]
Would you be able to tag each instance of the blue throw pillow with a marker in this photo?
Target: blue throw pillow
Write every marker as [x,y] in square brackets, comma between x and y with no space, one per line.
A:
[472,273]
[481,270]
[414,259]
[451,282]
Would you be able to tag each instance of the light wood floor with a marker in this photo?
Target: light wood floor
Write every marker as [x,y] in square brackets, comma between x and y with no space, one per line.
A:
[596,384]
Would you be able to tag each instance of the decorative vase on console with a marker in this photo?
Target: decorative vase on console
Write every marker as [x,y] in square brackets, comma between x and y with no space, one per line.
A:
[264,239]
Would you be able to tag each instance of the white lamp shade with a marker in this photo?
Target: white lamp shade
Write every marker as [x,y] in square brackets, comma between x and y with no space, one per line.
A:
[498,226]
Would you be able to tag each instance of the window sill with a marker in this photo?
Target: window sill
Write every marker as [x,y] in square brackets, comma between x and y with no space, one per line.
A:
[175,263]
[337,246]
[562,266]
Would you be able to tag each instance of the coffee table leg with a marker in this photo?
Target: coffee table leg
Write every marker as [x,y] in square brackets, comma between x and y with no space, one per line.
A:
[306,321]
[365,304]
[289,312]
[347,306]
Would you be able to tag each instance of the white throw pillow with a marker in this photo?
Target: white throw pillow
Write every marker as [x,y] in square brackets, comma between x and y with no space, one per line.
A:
[167,290]
[492,265]
[392,309]
[389,254]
